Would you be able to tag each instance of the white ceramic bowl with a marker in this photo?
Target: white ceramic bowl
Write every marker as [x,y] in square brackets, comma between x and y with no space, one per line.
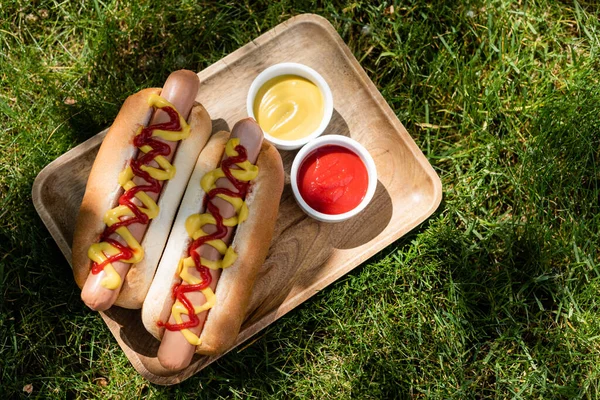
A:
[351,145]
[299,70]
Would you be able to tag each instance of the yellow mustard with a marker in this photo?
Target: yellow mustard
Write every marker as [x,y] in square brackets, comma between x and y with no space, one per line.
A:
[289,107]
[98,251]
[194,224]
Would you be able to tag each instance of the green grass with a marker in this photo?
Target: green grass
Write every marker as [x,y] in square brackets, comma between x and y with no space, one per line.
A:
[495,296]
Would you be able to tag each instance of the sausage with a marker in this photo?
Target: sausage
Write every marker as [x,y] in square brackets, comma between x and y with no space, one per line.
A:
[175,351]
[180,89]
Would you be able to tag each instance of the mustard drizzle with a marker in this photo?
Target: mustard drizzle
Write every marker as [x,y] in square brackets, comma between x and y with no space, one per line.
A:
[194,224]
[98,251]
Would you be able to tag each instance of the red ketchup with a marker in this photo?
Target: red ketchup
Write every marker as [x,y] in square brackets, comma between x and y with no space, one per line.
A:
[333,179]
[179,291]
[144,138]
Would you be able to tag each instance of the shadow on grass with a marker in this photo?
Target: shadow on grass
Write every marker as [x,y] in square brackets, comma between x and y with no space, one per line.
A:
[505,280]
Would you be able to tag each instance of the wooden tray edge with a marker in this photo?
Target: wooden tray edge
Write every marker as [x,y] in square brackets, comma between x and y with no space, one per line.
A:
[40,180]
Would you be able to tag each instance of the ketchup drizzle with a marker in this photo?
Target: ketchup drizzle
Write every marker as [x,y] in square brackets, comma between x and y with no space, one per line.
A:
[144,138]
[180,289]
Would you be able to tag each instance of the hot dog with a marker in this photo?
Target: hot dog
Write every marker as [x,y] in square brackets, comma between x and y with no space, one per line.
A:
[213,295]
[133,191]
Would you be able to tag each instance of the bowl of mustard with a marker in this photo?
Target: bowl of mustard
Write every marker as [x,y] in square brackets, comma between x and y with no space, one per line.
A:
[292,103]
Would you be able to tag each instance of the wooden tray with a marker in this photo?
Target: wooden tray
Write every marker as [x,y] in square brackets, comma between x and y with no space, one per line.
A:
[305,255]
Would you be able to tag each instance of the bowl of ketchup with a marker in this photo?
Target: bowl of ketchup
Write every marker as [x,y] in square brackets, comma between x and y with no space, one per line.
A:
[333,178]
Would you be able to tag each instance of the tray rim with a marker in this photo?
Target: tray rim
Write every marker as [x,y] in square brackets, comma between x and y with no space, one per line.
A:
[40,180]
[352,263]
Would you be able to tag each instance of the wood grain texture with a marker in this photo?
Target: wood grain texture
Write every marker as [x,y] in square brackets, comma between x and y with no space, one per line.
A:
[306,255]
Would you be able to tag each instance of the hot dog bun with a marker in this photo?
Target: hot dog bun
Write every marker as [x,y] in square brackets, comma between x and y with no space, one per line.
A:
[103,190]
[251,242]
